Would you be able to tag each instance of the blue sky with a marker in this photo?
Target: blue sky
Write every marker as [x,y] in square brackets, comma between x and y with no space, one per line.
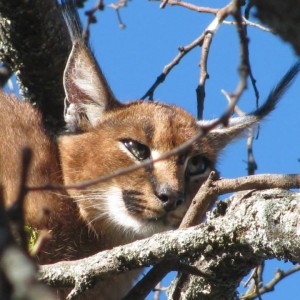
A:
[132,58]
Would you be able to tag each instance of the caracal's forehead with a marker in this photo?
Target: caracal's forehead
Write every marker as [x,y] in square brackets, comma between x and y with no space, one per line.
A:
[152,122]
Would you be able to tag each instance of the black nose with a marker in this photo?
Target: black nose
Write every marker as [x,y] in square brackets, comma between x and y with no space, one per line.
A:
[169,197]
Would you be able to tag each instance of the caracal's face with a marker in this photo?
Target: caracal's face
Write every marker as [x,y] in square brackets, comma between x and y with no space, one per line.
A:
[153,198]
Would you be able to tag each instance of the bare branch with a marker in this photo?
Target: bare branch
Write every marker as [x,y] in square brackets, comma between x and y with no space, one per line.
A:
[188,6]
[200,91]
[212,27]
[91,18]
[237,228]
[252,166]
[38,35]
[205,197]
[249,23]
[212,188]
[255,279]
[270,286]
[164,3]
[117,6]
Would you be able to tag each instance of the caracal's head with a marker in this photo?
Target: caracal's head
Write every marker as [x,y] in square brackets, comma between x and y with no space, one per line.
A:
[106,136]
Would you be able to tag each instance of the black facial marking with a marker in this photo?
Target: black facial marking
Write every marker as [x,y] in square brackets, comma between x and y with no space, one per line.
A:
[132,202]
[133,192]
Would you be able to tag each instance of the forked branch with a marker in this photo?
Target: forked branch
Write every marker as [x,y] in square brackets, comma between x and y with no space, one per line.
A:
[237,228]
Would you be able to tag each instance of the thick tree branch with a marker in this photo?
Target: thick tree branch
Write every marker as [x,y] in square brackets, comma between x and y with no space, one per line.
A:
[204,199]
[283,17]
[235,262]
[232,238]
[35,44]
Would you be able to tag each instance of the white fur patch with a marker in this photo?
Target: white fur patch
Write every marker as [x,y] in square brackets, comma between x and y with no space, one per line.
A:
[87,80]
[243,122]
[155,154]
[119,215]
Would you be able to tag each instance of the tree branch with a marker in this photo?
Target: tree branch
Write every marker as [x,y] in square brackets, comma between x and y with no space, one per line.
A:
[35,45]
[221,14]
[283,17]
[270,286]
[231,237]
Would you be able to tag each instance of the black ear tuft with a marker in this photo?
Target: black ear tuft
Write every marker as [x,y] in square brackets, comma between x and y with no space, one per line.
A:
[277,93]
[219,137]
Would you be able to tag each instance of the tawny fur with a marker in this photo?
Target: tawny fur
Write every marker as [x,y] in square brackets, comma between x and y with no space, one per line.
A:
[81,222]
[123,209]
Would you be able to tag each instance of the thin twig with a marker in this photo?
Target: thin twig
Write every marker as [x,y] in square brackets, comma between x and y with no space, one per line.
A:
[249,23]
[244,51]
[92,18]
[212,27]
[145,285]
[204,198]
[270,286]
[252,166]
[157,291]
[188,6]
[163,4]
[168,68]
[117,6]
[200,91]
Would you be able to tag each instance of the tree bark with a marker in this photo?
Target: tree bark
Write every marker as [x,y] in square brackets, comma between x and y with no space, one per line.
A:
[257,225]
[35,45]
[283,17]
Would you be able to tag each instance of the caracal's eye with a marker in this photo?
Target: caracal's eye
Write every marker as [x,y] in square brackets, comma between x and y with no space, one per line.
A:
[196,165]
[140,151]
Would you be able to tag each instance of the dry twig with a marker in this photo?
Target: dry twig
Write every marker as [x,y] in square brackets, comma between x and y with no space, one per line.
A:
[200,91]
[91,18]
[117,6]
[221,14]
[270,286]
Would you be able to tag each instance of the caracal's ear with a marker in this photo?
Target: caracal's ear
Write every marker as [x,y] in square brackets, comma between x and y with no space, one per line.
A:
[87,93]
[220,136]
